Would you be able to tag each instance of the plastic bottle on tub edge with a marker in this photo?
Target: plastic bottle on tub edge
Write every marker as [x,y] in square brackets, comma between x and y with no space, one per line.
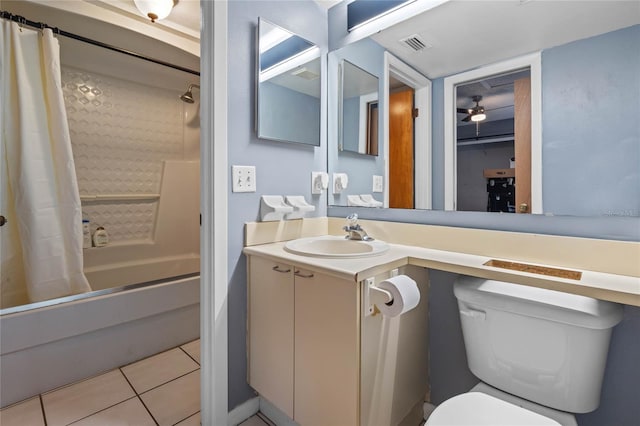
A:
[86,231]
[100,237]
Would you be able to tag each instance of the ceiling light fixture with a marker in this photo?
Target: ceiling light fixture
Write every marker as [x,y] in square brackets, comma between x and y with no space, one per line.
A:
[477,113]
[154,9]
[479,117]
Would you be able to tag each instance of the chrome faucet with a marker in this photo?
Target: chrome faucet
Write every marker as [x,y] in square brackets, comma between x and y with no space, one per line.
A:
[355,231]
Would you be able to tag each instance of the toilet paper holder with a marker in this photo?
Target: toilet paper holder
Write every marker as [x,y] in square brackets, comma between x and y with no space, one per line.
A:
[369,287]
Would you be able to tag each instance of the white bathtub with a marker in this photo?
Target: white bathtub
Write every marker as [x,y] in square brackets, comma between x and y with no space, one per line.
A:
[52,343]
[50,346]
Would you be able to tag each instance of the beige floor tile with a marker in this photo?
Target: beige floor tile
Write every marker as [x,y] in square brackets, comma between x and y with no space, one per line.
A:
[27,412]
[128,413]
[191,421]
[74,402]
[253,421]
[193,349]
[159,369]
[174,401]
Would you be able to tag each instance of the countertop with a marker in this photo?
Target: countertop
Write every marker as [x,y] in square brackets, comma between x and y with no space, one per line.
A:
[605,286]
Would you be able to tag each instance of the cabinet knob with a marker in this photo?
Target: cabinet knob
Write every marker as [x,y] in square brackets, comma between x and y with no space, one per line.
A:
[3,220]
[524,207]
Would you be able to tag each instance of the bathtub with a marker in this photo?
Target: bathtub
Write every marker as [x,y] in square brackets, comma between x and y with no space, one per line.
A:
[65,340]
[145,299]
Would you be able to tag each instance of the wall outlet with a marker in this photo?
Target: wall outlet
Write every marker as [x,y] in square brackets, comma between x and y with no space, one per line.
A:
[244,178]
[319,182]
[377,183]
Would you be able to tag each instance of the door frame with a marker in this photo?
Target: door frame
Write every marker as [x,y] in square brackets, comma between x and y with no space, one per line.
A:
[422,128]
[531,61]
[214,391]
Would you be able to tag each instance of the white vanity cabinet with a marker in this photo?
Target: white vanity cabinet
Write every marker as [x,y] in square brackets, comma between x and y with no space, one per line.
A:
[315,355]
[270,331]
[303,342]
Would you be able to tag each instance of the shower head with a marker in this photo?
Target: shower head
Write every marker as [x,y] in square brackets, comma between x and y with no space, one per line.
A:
[188,95]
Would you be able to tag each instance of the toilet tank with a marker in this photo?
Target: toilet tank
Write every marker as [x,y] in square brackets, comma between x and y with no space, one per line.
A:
[541,345]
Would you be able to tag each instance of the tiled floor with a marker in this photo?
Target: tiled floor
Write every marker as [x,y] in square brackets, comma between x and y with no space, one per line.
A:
[163,389]
[160,390]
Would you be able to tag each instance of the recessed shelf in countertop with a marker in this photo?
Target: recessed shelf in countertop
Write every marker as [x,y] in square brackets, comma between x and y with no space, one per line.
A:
[535,269]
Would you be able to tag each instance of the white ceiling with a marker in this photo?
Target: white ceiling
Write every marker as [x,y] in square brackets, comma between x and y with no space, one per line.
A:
[464,35]
[468,34]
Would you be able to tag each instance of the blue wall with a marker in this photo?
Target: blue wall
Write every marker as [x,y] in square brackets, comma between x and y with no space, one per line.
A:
[281,168]
[351,124]
[591,130]
[294,116]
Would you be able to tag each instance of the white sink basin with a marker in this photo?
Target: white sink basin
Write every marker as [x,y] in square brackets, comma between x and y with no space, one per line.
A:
[335,247]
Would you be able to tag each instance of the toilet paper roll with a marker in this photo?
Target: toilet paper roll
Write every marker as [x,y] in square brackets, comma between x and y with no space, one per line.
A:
[406,295]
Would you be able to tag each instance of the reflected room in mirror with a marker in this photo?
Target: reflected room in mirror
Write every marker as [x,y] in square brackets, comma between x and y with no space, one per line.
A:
[582,92]
[289,84]
[487,139]
[359,110]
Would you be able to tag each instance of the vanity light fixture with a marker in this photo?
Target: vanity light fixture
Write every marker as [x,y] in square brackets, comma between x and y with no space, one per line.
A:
[154,9]
[362,12]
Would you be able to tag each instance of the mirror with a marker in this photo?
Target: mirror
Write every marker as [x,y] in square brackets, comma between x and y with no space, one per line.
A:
[363,71]
[581,61]
[358,110]
[289,83]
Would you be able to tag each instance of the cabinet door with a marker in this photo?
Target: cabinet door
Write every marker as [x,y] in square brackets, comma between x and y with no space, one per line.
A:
[327,350]
[270,334]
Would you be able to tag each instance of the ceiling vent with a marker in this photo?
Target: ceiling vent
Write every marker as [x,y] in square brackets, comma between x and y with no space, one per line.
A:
[415,43]
[305,73]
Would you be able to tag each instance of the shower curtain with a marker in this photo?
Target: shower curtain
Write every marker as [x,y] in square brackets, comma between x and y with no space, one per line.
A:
[41,250]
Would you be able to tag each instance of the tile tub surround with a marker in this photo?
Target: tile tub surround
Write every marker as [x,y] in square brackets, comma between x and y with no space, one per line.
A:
[163,389]
[610,269]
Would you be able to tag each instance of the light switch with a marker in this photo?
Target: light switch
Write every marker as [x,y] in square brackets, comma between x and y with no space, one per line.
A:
[244,178]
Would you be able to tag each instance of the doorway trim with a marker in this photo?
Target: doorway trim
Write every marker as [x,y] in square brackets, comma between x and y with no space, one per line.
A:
[531,61]
[213,208]
[422,128]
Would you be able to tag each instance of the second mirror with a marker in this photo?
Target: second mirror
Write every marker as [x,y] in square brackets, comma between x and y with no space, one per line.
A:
[359,110]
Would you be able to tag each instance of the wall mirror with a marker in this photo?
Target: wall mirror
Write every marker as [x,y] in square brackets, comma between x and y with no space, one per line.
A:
[358,110]
[288,86]
[354,81]
[602,138]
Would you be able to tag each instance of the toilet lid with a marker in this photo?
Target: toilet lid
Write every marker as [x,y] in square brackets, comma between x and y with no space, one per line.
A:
[480,409]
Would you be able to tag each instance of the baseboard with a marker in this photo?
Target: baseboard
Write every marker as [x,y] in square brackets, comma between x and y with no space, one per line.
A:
[243,411]
[275,414]
[249,408]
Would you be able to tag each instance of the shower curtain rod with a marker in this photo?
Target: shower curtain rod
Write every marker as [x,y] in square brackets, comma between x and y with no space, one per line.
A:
[40,25]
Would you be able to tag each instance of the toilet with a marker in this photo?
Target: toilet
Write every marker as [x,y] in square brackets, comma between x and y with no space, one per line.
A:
[540,354]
